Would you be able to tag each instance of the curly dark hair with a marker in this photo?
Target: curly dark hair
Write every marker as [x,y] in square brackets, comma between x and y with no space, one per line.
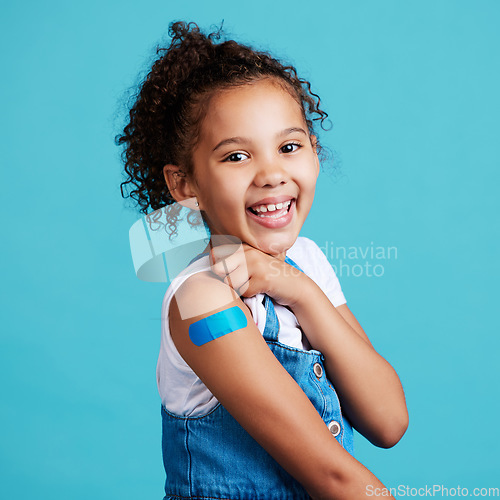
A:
[164,120]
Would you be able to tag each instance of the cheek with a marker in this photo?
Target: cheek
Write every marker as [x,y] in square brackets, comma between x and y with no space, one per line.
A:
[224,193]
[308,178]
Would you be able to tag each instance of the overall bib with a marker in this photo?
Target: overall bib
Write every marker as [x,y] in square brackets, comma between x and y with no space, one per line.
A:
[212,457]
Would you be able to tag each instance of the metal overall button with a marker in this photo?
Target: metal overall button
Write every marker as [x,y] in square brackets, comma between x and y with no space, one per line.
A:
[334,428]
[318,370]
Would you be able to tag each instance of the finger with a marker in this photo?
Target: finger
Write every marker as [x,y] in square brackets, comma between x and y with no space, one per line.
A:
[226,260]
[251,288]
[238,279]
[221,268]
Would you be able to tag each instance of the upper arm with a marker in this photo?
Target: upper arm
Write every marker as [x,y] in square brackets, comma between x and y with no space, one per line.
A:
[259,393]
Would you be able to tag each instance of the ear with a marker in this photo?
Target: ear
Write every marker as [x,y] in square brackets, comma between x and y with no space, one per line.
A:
[314,143]
[178,183]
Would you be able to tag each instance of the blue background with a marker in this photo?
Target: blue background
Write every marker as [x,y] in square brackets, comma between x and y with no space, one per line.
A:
[412,92]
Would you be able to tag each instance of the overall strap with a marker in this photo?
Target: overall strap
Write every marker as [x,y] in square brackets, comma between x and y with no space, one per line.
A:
[272,328]
[288,260]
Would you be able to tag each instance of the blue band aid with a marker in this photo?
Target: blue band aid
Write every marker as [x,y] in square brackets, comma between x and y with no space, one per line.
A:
[217,325]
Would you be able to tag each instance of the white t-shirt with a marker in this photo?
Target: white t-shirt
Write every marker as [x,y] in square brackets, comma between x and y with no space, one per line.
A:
[181,390]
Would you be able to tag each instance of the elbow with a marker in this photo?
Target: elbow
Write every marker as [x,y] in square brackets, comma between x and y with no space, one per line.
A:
[393,431]
[334,485]
[349,480]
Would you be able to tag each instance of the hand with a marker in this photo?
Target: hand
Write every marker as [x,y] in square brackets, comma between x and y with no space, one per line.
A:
[250,271]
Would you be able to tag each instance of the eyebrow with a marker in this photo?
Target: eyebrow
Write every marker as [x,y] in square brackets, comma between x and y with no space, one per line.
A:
[239,140]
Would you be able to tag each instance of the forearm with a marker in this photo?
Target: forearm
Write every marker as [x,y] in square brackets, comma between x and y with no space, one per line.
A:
[349,480]
[369,387]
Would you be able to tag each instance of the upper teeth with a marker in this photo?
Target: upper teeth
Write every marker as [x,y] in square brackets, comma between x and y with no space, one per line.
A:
[272,207]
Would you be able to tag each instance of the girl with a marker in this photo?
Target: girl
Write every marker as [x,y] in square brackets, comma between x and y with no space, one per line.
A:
[262,408]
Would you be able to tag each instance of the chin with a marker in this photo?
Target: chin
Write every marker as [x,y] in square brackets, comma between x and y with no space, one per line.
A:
[276,246]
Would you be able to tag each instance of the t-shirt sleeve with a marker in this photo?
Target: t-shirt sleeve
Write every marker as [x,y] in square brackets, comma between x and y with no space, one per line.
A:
[325,276]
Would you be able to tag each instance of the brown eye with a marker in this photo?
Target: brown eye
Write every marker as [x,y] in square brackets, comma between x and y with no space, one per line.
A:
[290,148]
[235,157]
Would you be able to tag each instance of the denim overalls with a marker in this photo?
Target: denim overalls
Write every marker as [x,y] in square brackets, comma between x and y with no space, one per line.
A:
[212,457]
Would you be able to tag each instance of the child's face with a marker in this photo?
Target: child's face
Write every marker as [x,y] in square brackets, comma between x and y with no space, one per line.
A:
[254,151]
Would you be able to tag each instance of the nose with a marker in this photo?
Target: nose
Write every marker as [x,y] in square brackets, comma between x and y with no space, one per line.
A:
[270,173]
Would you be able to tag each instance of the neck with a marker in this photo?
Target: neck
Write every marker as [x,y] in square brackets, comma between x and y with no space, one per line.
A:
[217,240]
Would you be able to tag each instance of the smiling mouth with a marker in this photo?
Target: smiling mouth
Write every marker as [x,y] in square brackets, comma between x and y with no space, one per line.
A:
[271,210]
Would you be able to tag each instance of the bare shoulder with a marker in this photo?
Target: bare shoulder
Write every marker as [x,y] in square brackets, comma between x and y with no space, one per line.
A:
[200,296]
[202,293]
